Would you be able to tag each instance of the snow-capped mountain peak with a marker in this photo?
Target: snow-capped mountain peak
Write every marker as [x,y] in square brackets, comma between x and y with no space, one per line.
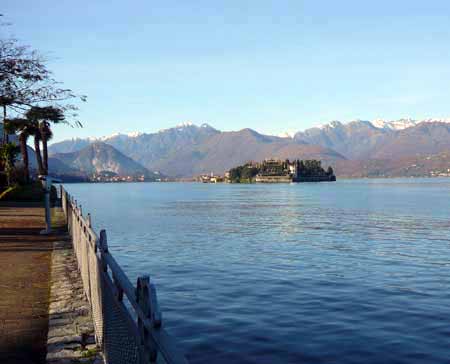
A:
[287,134]
[394,124]
[133,134]
[404,123]
[184,125]
[331,124]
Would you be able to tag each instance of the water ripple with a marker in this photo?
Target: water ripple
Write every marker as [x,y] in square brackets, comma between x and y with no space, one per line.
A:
[349,272]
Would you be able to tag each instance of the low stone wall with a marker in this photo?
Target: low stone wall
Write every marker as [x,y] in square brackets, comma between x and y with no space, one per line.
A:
[316,179]
[273,179]
[71,336]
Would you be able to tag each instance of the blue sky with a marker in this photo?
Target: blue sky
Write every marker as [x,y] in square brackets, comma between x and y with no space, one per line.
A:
[273,66]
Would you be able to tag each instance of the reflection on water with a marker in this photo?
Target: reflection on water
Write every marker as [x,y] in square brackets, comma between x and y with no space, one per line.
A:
[349,272]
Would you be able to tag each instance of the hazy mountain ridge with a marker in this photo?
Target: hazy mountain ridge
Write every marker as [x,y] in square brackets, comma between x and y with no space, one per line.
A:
[398,124]
[412,166]
[354,140]
[99,157]
[363,140]
[228,149]
[424,138]
[188,150]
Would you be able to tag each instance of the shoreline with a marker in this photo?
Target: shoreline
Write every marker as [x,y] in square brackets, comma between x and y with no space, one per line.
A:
[338,178]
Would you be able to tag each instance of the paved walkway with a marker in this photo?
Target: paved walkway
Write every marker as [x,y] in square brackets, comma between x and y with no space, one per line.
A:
[25,268]
[71,337]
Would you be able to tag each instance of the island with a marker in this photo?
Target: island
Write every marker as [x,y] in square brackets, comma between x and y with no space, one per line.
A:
[281,171]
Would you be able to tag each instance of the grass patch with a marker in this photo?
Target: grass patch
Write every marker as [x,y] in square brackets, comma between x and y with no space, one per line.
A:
[89,353]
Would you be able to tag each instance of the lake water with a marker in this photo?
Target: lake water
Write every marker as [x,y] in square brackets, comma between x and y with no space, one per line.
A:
[356,271]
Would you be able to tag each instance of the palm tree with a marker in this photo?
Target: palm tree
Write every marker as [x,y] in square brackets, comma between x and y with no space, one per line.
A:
[23,137]
[43,117]
[37,150]
[25,128]
[8,153]
[46,135]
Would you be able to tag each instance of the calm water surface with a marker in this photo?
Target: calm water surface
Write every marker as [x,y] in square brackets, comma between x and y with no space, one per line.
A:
[355,271]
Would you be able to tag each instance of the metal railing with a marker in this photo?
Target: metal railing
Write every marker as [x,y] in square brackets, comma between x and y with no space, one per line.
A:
[127,320]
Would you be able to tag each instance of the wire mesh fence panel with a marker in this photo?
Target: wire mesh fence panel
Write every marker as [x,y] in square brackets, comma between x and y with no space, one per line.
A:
[96,297]
[120,344]
[85,262]
[113,329]
[79,245]
[75,233]
[118,334]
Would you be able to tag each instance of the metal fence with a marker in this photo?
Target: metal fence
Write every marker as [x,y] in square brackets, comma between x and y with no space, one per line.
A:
[127,321]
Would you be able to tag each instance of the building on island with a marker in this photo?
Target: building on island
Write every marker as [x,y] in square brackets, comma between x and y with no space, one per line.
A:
[274,171]
[212,178]
[281,171]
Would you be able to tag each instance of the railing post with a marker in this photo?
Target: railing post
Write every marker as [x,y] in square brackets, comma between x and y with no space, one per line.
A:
[155,312]
[65,205]
[63,198]
[89,221]
[144,302]
[103,245]
[118,287]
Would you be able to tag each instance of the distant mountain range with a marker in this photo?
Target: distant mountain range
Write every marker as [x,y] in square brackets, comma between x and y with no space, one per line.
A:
[100,157]
[189,150]
[364,140]
[356,149]
[412,166]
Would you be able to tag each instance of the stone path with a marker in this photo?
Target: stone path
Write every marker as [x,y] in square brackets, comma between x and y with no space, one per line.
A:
[37,274]
[25,258]
[71,331]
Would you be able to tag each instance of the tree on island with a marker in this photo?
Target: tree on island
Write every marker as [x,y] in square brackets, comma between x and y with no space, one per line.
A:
[243,173]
